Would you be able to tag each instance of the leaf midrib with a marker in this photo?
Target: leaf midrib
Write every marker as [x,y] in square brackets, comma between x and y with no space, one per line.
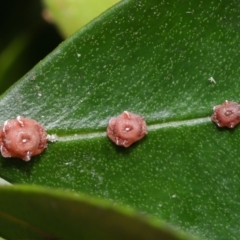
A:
[151,127]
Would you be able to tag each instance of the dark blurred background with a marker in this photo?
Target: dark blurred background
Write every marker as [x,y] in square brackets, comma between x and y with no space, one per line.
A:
[25,39]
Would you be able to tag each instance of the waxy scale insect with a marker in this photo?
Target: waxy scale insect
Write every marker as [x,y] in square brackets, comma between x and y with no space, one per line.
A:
[227,114]
[22,138]
[126,129]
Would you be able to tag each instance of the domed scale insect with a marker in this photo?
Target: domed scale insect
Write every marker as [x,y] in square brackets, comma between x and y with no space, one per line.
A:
[22,138]
[227,114]
[126,129]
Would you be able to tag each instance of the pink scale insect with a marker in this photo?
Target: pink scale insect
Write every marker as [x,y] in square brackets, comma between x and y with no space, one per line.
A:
[23,138]
[227,114]
[126,129]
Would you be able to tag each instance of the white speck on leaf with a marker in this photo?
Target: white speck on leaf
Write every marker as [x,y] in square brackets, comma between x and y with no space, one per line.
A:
[212,80]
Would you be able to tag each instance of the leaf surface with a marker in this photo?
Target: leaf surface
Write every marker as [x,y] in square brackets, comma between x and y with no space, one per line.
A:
[47,214]
[154,59]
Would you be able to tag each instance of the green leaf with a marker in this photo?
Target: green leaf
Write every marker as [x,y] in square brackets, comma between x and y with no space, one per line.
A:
[48,214]
[70,15]
[153,58]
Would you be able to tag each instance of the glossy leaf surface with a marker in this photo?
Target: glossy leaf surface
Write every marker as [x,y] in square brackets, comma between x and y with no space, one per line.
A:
[154,59]
[48,214]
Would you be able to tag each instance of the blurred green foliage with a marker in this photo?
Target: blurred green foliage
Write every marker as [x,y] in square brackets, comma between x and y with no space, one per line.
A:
[70,15]
[25,39]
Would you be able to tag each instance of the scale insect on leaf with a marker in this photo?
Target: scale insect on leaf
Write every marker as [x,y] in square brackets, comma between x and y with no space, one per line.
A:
[227,114]
[126,129]
[22,138]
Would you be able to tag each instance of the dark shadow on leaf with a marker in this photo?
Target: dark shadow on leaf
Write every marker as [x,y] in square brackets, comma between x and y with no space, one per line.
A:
[125,151]
[226,129]
[19,164]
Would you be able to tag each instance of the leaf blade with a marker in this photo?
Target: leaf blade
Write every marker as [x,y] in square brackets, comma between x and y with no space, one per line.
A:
[83,217]
[158,61]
